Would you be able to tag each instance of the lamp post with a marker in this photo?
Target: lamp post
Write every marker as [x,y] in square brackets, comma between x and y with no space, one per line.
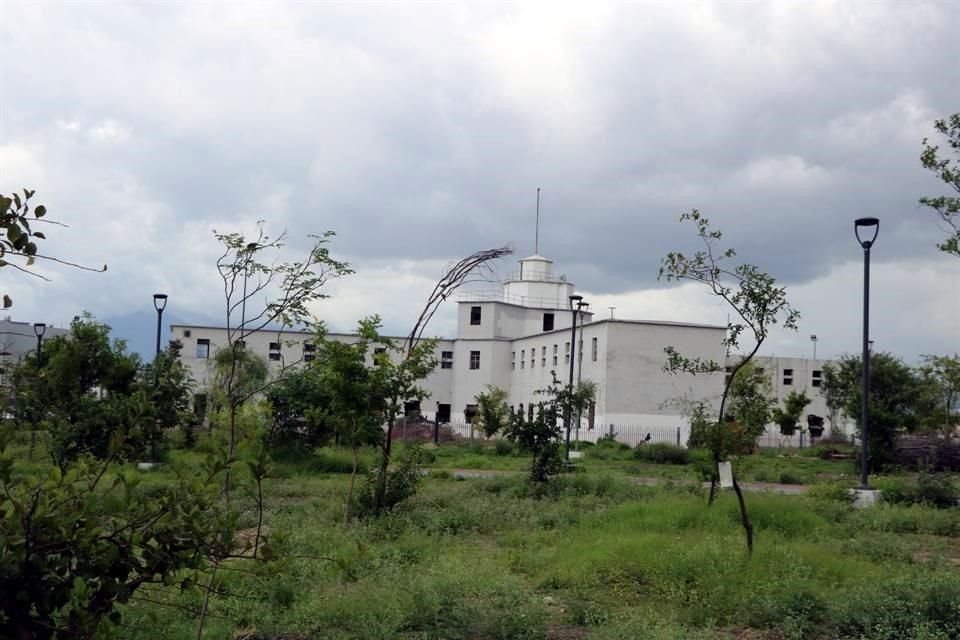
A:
[39,329]
[582,308]
[576,303]
[866,224]
[813,339]
[159,303]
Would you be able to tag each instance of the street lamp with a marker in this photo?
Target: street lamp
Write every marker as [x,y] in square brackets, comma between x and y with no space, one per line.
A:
[813,339]
[159,303]
[576,303]
[867,225]
[39,329]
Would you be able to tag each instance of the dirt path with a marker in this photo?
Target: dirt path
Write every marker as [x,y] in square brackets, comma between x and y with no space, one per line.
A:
[771,487]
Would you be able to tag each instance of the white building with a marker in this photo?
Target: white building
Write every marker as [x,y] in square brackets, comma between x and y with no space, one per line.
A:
[17,339]
[516,337]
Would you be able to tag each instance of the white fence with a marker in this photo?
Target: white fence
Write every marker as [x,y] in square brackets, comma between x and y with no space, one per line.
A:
[634,434]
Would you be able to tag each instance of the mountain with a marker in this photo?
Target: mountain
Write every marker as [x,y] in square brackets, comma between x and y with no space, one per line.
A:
[139,329]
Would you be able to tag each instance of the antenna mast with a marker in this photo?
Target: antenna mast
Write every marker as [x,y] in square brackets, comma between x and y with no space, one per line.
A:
[536,233]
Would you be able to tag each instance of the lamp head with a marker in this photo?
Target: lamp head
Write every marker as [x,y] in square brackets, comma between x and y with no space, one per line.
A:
[159,301]
[574,299]
[39,328]
[866,224]
[813,338]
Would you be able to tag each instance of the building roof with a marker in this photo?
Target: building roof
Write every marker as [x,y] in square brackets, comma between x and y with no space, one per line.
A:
[536,256]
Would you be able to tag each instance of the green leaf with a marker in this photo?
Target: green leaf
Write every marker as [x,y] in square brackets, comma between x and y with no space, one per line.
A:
[40,211]
[38,234]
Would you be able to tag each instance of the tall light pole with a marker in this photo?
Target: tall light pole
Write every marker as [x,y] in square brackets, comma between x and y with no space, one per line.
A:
[813,339]
[159,303]
[582,308]
[867,224]
[576,303]
[39,329]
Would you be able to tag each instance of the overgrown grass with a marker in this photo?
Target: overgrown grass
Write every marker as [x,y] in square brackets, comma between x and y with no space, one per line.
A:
[591,554]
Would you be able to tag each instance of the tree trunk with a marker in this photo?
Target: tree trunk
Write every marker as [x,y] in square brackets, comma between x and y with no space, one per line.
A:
[353,478]
[744,517]
[713,489]
[381,490]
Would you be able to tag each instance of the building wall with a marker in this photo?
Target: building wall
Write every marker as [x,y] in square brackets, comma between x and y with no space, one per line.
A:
[17,339]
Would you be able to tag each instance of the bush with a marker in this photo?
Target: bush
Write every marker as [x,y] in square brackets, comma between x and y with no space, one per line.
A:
[932,489]
[662,453]
[504,448]
[789,478]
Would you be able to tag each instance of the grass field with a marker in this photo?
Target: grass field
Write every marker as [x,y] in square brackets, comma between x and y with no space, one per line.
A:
[591,555]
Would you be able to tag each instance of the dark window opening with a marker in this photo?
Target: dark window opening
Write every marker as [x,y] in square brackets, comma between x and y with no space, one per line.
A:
[443,413]
[203,348]
[446,359]
[474,359]
[475,315]
[548,322]
[469,413]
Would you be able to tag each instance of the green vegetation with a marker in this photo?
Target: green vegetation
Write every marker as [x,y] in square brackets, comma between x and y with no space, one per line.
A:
[587,555]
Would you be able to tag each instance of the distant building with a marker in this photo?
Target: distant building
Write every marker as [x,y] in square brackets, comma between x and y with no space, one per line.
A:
[515,337]
[17,339]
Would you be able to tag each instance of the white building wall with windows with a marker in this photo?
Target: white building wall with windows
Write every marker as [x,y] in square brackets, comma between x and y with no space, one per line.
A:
[514,338]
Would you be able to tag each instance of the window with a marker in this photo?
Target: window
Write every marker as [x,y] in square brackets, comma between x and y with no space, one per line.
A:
[788,376]
[274,353]
[594,347]
[554,355]
[378,350]
[548,322]
[474,359]
[566,353]
[543,356]
[203,348]
[513,359]
[475,315]
[446,359]
[469,413]
[533,357]
[309,351]
[186,333]
[817,377]
[523,358]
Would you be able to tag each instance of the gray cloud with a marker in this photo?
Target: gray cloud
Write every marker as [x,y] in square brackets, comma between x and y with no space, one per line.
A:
[420,133]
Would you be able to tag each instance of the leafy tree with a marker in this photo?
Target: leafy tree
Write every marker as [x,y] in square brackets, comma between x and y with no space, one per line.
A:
[759,304]
[87,395]
[898,401]
[541,437]
[357,399]
[169,384]
[237,373]
[18,238]
[299,407]
[75,543]
[493,413]
[399,372]
[947,170]
[944,374]
[789,416]
[834,389]
[749,409]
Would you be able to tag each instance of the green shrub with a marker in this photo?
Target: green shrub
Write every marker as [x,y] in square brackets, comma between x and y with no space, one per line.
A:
[504,447]
[662,453]
[932,489]
[790,478]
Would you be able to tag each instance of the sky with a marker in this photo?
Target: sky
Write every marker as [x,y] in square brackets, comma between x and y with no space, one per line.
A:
[420,133]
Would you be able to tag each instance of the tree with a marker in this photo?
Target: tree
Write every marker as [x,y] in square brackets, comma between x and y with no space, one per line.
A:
[789,416]
[834,389]
[947,170]
[169,385]
[288,288]
[898,401]
[758,303]
[944,373]
[18,239]
[493,413]
[357,392]
[541,437]
[88,395]
[76,543]
[749,408]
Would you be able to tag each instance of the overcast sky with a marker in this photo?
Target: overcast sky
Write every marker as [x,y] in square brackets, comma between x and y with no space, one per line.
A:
[420,133]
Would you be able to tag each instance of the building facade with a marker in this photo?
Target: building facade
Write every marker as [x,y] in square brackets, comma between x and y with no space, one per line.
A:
[17,339]
[518,337]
